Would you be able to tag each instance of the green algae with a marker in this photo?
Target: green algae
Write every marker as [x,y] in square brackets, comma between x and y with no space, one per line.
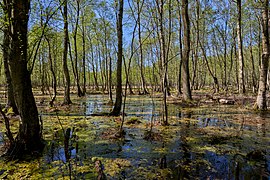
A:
[198,143]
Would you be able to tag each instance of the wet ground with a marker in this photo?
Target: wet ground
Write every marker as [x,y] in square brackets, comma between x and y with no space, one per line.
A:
[204,142]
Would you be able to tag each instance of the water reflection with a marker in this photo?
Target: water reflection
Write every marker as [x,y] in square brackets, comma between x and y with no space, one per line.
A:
[179,146]
[64,146]
[135,106]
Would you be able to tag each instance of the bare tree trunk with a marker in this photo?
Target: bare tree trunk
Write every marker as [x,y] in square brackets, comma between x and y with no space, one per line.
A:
[107,62]
[77,76]
[93,67]
[110,79]
[53,73]
[261,97]
[163,57]
[179,91]
[118,103]
[196,58]
[6,55]
[241,87]
[65,66]
[186,50]
[231,56]
[143,84]
[253,74]
[84,57]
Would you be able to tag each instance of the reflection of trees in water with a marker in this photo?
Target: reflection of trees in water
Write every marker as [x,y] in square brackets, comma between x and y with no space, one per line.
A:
[183,170]
[64,148]
[261,124]
[228,165]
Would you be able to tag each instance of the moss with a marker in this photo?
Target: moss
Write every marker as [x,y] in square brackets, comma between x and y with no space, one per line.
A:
[187,142]
[133,120]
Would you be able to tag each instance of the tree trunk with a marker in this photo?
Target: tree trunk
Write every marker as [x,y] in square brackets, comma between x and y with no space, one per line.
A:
[261,97]
[179,91]
[28,139]
[77,76]
[65,66]
[241,87]
[93,67]
[185,66]
[253,74]
[118,102]
[54,81]
[196,53]
[6,54]
[110,79]
[84,57]
[143,84]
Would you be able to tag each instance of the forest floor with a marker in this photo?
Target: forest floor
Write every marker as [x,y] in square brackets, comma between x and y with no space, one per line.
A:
[212,137]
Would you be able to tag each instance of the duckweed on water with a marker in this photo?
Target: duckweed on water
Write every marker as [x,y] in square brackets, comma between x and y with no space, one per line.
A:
[199,143]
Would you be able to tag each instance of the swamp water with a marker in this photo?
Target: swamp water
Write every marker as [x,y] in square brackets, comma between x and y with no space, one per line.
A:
[205,142]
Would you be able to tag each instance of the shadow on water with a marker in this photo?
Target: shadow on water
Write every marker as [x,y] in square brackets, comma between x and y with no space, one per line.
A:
[199,143]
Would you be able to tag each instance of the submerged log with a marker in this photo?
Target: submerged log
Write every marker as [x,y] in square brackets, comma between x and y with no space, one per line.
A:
[226,101]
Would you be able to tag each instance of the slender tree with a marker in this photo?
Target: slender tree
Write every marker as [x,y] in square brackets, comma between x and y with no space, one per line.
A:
[241,87]
[261,97]
[186,50]
[6,53]
[65,52]
[179,91]
[54,81]
[84,55]
[139,10]
[118,102]
[75,32]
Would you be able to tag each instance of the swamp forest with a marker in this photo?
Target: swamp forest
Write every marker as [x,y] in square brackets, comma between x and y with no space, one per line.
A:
[134,89]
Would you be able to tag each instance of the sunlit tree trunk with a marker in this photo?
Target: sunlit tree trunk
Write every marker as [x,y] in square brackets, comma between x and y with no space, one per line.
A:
[107,61]
[77,76]
[186,50]
[196,49]
[84,56]
[241,87]
[110,79]
[261,97]
[65,66]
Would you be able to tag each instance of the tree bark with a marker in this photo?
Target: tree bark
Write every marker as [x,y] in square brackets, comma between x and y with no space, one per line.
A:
[118,102]
[77,76]
[29,135]
[143,84]
[253,74]
[65,66]
[54,81]
[6,54]
[261,97]
[84,56]
[241,87]
[179,84]
[186,50]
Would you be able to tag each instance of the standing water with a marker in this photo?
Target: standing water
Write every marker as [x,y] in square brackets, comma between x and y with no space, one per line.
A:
[206,142]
